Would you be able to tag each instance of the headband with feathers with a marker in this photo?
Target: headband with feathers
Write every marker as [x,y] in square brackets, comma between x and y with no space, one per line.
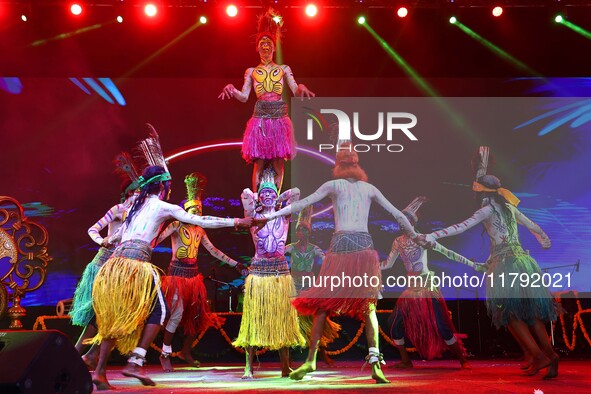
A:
[150,149]
[269,25]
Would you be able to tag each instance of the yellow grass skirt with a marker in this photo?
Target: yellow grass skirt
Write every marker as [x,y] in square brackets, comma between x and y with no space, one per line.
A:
[329,334]
[123,296]
[268,319]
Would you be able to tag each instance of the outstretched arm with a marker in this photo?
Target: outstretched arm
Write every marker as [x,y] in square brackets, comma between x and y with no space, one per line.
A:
[450,254]
[533,228]
[298,90]
[467,224]
[322,192]
[230,91]
[399,216]
[94,230]
[207,221]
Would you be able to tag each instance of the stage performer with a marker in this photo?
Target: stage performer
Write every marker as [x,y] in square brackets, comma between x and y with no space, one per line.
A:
[269,136]
[303,256]
[183,286]
[421,313]
[126,294]
[82,313]
[520,308]
[268,318]
[351,254]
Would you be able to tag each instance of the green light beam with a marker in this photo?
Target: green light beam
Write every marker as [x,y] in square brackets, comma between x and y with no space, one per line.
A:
[496,50]
[576,29]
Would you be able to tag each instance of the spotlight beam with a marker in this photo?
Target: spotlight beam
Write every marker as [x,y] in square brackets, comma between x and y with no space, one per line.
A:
[63,36]
[456,118]
[576,29]
[162,50]
[416,78]
[498,51]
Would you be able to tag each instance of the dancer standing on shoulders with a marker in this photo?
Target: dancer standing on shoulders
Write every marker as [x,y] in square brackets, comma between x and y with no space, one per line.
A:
[183,286]
[520,308]
[268,318]
[269,136]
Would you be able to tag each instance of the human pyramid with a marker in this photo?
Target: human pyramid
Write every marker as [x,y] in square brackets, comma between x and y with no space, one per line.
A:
[273,316]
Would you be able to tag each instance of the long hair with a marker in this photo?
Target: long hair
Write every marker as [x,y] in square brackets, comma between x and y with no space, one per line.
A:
[151,188]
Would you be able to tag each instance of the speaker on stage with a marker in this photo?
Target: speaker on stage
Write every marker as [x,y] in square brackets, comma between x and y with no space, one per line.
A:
[41,362]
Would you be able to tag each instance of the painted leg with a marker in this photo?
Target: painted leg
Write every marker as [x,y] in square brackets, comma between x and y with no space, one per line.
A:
[528,358]
[374,357]
[310,364]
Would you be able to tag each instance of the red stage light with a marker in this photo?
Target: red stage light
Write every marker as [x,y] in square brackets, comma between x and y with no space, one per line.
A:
[150,10]
[402,12]
[497,11]
[232,10]
[76,9]
[311,10]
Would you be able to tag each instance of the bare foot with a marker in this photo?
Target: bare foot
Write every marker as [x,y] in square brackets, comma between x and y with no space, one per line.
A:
[90,361]
[133,370]
[285,372]
[403,365]
[165,362]
[464,364]
[552,369]
[527,364]
[325,357]
[377,374]
[102,383]
[305,368]
[540,362]
[188,358]
[247,375]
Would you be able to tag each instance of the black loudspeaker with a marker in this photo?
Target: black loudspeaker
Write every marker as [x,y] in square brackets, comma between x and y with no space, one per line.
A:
[41,362]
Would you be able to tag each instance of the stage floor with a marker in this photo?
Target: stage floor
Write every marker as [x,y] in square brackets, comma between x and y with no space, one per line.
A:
[442,376]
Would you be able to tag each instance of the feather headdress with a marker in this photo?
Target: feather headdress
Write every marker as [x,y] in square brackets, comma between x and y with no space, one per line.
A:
[195,183]
[269,25]
[151,150]
[414,207]
[305,218]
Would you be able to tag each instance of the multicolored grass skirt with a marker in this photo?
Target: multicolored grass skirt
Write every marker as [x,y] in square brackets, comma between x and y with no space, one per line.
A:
[268,319]
[351,255]
[124,292]
[184,278]
[269,133]
[506,301]
[82,311]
